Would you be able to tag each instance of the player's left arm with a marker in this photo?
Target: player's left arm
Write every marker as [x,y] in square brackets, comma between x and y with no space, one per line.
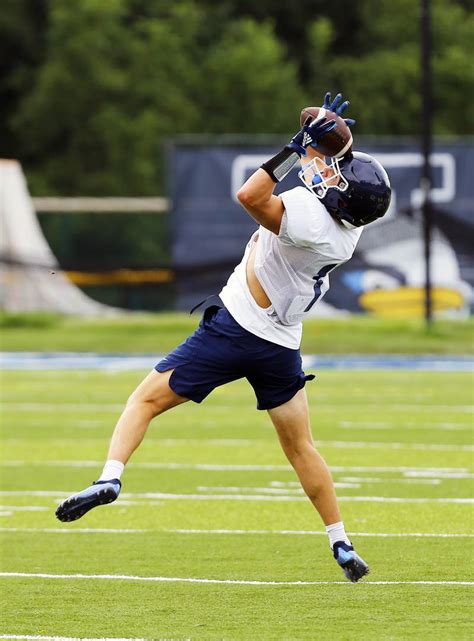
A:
[256,195]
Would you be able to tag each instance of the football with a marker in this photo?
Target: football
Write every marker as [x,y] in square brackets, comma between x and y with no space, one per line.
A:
[338,142]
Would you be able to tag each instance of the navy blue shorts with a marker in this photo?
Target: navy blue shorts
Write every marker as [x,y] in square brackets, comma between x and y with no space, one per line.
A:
[221,351]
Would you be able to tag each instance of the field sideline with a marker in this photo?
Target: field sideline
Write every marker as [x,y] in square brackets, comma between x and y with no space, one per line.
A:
[212,537]
[159,333]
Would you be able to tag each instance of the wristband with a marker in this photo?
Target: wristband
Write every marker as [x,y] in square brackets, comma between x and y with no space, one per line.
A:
[280,165]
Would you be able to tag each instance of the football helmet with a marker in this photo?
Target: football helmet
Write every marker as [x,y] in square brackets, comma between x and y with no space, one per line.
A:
[356,192]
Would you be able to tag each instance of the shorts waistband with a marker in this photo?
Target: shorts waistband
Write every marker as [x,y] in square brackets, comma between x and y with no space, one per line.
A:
[212,300]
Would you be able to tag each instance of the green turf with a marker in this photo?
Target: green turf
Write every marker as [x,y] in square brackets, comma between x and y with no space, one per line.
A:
[159,333]
[396,435]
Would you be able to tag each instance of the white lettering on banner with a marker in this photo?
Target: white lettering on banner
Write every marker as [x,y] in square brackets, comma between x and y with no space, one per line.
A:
[445,192]
[241,166]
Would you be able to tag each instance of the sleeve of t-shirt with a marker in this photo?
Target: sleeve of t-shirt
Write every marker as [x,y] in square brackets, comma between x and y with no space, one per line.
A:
[304,220]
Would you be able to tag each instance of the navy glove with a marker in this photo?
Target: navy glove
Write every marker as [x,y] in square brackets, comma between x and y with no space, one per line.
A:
[336,108]
[310,134]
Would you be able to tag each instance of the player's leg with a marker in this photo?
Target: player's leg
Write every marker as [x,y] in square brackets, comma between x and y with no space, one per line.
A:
[291,421]
[152,397]
[206,359]
[292,424]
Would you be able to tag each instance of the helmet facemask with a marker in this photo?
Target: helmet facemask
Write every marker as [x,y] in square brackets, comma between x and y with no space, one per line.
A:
[354,189]
[312,175]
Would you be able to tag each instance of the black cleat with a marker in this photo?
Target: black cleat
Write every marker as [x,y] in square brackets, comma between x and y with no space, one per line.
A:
[99,493]
[353,566]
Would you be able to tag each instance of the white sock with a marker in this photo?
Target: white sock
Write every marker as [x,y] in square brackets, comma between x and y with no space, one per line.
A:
[336,532]
[112,470]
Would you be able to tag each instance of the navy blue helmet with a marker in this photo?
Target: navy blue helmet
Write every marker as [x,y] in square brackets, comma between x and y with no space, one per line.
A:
[362,193]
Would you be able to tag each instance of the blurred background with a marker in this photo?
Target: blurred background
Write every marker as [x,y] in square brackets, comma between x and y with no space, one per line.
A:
[126,127]
[134,121]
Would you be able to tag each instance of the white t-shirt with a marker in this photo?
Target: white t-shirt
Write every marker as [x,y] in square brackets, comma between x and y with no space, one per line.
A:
[292,267]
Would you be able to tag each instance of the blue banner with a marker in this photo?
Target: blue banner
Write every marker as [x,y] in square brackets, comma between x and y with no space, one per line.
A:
[386,274]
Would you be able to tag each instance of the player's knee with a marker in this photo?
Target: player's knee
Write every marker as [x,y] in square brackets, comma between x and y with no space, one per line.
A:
[297,448]
[159,405]
[145,405]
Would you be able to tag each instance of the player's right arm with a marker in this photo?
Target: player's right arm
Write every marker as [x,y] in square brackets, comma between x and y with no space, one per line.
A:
[256,195]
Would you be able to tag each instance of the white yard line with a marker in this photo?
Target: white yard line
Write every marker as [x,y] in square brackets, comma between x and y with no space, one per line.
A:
[65,530]
[369,425]
[23,508]
[13,463]
[296,489]
[433,535]
[236,467]
[397,407]
[398,499]
[400,426]
[62,407]
[369,479]
[438,447]
[163,496]
[257,497]
[169,579]
[324,407]
[42,638]
[460,474]
[252,490]
[84,530]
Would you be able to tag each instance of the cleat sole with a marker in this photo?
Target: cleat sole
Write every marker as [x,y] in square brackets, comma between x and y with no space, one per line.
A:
[354,570]
[76,506]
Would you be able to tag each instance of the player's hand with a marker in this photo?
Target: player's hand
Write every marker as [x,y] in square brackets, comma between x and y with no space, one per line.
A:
[310,134]
[335,107]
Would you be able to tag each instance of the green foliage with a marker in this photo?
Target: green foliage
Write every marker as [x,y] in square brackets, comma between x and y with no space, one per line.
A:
[115,85]
[76,107]
[250,87]
[111,240]
[96,87]
[384,81]
[23,26]
[91,90]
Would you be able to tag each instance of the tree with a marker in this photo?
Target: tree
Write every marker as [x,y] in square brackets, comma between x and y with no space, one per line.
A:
[116,83]
[250,86]
[383,83]
[22,48]
[98,86]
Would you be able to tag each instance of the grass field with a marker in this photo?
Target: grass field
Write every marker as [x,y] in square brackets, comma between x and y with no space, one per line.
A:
[210,497]
[159,333]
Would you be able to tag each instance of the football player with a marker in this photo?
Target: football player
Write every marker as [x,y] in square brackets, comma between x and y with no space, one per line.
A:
[254,331]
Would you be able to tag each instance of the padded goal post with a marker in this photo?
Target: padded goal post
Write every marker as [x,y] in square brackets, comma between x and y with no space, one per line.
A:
[30,277]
